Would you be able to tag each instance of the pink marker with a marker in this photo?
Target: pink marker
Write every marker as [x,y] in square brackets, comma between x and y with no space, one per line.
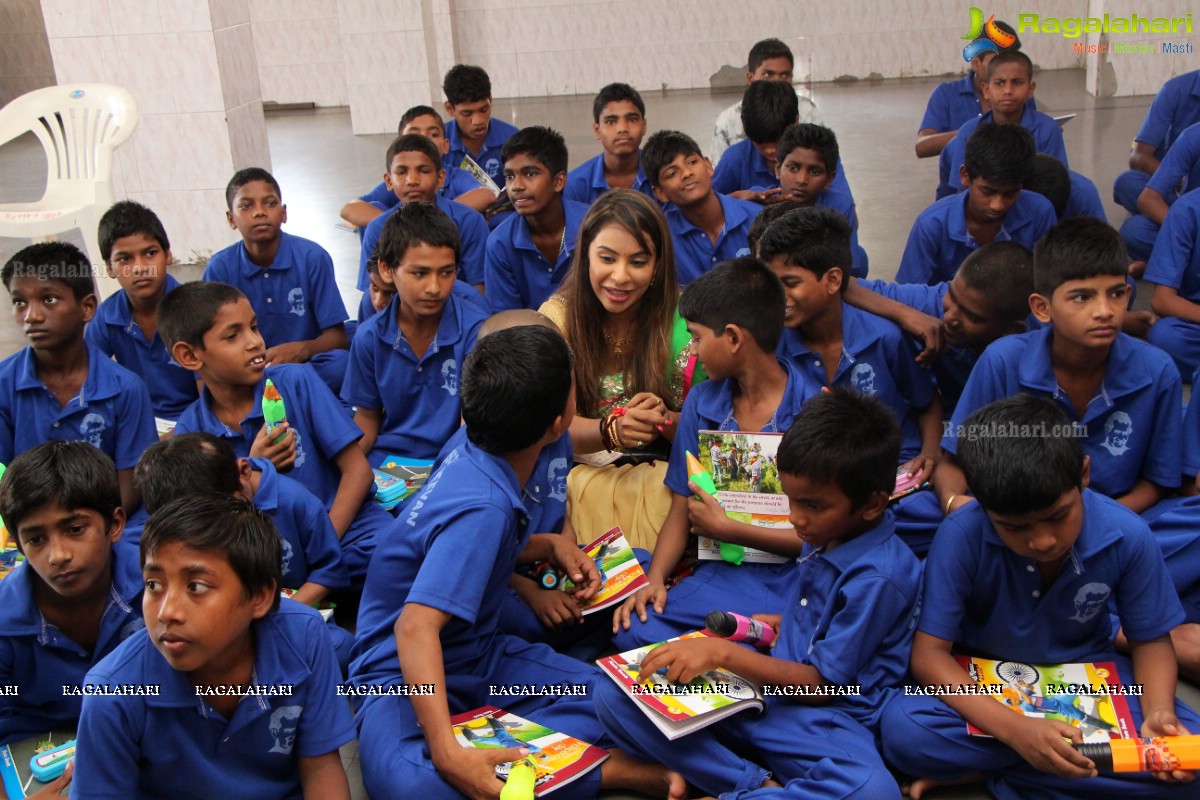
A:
[737,628]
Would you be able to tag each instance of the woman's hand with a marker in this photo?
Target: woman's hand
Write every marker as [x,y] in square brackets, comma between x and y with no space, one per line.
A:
[643,420]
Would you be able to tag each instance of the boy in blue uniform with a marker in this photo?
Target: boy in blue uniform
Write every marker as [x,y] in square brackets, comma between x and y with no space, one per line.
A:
[211,328]
[735,316]
[58,388]
[1071,194]
[460,185]
[472,131]
[528,254]
[75,597]
[137,253]
[1009,86]
[808,167]
[247,684]
[847,620]
[749,170]
[1177,174]
[1175,107]
[997,162]
[310,563]
[1174,268]
[1027,574]
[706,227]
[430,609]
[414,174]
[405,360]
[619,122]
[289,280]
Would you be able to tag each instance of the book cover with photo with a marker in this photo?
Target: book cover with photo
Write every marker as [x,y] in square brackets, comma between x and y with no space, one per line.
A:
[744,470]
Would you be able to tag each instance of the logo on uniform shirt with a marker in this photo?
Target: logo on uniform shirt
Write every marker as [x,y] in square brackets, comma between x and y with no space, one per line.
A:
[450,377]
[1117,430]
[300,454]
[492,167]
[557,474]
[286,552]
[745,251]
[283,724]
[296,301]
[92,429]
[862,378]
[1090,600]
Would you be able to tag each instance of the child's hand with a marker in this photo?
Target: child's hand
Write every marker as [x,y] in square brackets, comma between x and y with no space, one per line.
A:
[575,564]
[554,609]
[1044,744]
[655,594]
[922,466]
[54,788]
[771,620]
[1165,723]
[686,659]
[705,514]
[925,329]
[288,353]
[472,771]
[281,453]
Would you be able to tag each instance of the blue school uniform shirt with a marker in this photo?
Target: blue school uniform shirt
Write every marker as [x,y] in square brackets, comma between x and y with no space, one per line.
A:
[114,333]
[954,103]
[458,182]
[1175,259]
[1047,138]
[709,407]
[322,425]
[472,230]
[112,411]
[489,155]
[177,745]
[586,182]
[418,397]
[743,167]
[695,253]
[954,364]
[36,656]
[516,274]
[1180,166]
[939,239]
[850,614]
[877,360]
[1175,107]
[844,205]
[1085,198]
[295,298]
[310,547]
[1133,424]
[453,548]
[989,601]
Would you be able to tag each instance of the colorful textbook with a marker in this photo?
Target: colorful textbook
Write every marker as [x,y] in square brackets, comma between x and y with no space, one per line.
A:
[1089,697]
[558,758]
[679,709]
[743,471]
[620,573]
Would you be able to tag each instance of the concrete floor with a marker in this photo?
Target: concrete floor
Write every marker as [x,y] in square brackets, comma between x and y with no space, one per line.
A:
[320,165]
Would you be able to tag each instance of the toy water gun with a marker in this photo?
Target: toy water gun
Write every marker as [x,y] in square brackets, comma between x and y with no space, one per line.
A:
[1160,754]
[739,628]
[273,410]
[733,553]
[3,527]
[522,777]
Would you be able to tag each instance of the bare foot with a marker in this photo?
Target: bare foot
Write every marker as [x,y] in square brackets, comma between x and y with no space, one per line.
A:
[1186,639]
[623,771]
[922,785]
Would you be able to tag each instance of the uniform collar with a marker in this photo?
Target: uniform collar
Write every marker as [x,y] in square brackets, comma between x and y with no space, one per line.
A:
[846,554]
[449,329]
[597,181]
[282,260]
[491,141]
[117,312]
[19,613]
[735,214]
[213,424]
[1095,535]
[100,383]
[967,84]
[717,403]
[956,219]
[266,497]
[495,469]
[1125,374]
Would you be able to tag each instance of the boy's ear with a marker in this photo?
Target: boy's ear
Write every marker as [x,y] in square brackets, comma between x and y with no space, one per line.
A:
[735,336]
[261,601]
[170,258]
[229,219]
[187,356]
[560,182]
[963,176]
[1039,304]
[441,177]
[89,304]
[387,181]
[116,525]
[112,273]
[1085,476]
[834,277]
[443,143]
[449,109]
[1032,86]
[596,130]
[283,208]
[876,504]
[658,194]
[386,268]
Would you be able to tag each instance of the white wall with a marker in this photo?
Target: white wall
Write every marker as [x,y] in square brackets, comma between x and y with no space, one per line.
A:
[298,45]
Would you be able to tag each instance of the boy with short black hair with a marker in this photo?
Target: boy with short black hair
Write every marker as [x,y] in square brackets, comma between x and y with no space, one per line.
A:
[846,620]
[59,388]
[75,597]
[211,328]
[706,227]
[528,254]
[749,170]
[735,316]
[997,162]
[1071,194]
[430,608]
[619,122]
[1028,574]
[405,360]
[1178,173]
[414,173]
[137,253]
[472,131]
[289,280]
[216,630]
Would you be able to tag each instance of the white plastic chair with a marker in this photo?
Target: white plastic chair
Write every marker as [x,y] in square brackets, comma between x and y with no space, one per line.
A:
[79,126]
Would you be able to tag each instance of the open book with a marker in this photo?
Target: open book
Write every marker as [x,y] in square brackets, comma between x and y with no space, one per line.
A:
[678,709]
[620,573]
[558,758]
[1085,696]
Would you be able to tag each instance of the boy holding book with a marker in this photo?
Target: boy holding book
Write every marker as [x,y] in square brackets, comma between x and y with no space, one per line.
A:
[846,622]
[735,316]
[1028,573]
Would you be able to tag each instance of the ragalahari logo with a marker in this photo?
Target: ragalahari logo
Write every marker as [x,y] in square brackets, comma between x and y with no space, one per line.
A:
[986,37]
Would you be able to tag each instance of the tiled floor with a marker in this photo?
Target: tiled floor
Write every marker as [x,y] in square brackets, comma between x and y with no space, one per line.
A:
[321,165]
